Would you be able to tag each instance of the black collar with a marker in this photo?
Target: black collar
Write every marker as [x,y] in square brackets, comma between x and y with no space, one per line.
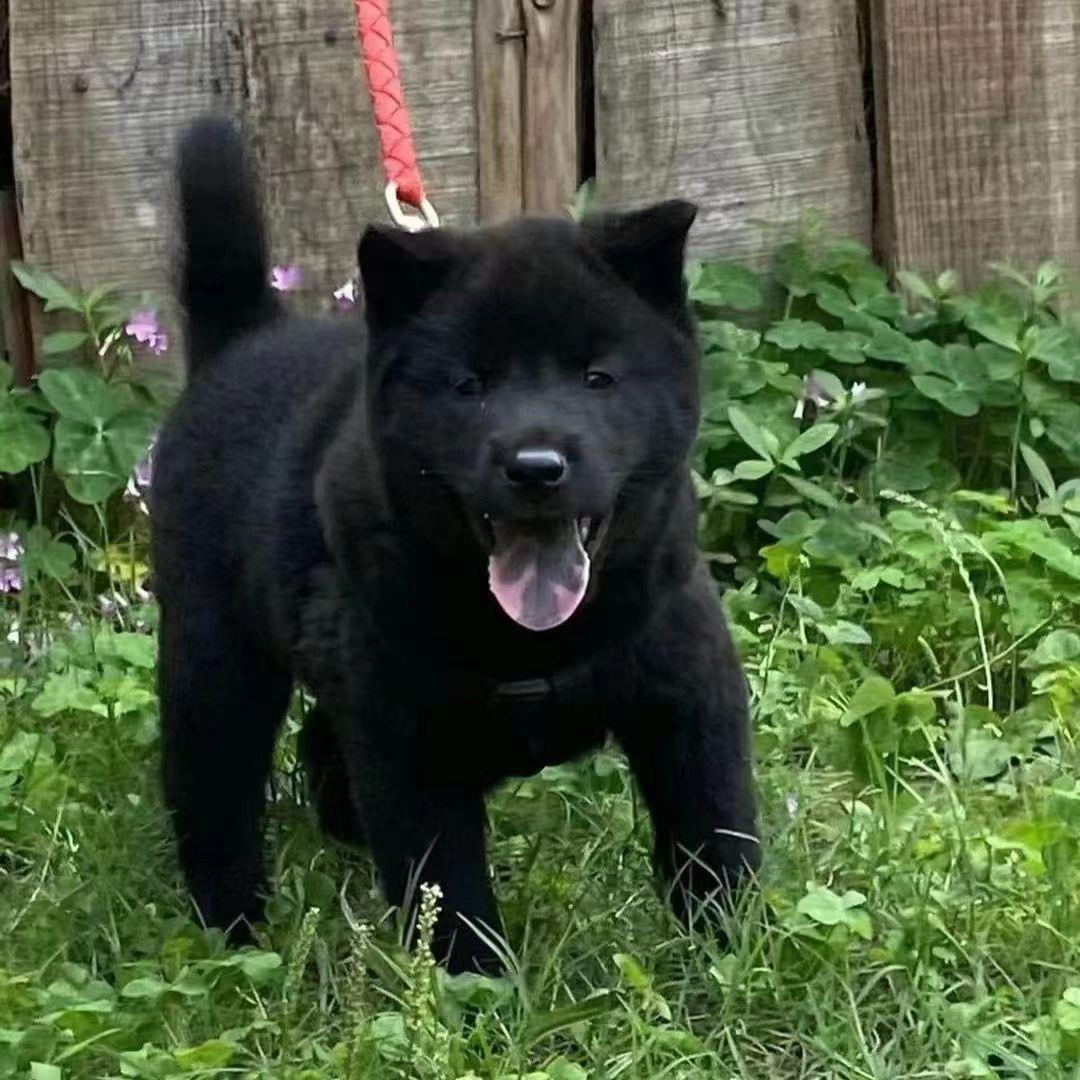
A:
[549,687]
[524,690]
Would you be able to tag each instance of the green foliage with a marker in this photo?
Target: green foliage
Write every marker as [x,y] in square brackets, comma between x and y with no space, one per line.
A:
[888,489]
[24,439]
[71,440]
[93,411]
[100,434]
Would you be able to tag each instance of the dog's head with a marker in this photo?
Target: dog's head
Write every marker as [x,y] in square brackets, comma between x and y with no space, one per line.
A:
[525,380]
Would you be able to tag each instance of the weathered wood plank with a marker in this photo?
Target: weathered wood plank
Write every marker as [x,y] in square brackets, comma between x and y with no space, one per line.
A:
[305,106]
[499,43]
[978,123]
[98,97]
[551,124]
[102,88]
[435,45]
[752,108]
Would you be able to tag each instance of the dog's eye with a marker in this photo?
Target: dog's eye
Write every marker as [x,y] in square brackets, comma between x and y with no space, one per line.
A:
[470,386]
[598,380]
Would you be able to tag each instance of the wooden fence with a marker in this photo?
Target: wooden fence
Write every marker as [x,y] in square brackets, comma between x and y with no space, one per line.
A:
[944,132]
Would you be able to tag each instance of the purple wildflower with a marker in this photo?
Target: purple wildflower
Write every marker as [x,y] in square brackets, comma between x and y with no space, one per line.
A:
[141,478]
[10,578]
[144,328]
[143,473]
[11,548]
[346,295]
[286,278]
[143,325]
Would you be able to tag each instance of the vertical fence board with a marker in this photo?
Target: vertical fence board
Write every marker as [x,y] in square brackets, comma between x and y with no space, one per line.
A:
[978,106]
[435,43]
[752,108]
[306,110]
[97,100]
[499,41]
[552,137]
[101,89]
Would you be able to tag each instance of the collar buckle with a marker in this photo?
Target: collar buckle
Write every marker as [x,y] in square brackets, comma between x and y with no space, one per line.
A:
[525,690]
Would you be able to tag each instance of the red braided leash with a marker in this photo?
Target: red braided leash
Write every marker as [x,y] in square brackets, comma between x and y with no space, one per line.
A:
[404,183]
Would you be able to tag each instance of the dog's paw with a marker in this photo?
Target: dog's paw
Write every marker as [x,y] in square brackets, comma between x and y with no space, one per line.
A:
[229,899]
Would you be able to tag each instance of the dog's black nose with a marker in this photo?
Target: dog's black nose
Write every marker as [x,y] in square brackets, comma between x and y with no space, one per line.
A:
[536,466]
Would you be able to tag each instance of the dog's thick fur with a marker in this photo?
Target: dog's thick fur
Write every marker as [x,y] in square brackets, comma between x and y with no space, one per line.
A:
[320,509]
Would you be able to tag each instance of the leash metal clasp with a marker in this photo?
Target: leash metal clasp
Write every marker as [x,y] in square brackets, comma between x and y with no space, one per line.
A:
[426,219]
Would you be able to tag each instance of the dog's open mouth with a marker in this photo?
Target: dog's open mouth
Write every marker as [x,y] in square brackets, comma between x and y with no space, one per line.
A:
[539,570]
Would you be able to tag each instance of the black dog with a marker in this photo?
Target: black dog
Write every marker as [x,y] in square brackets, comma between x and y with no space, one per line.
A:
[465,522]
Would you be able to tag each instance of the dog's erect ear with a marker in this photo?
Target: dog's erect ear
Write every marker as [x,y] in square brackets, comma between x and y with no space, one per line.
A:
[646,248]
[400,270]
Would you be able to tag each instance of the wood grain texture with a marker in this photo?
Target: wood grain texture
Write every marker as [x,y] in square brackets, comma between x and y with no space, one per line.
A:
[101,89]
[499,43]
[978,122]
[98,97]
[435,45]
[751,108]
[552,107]
[305,107]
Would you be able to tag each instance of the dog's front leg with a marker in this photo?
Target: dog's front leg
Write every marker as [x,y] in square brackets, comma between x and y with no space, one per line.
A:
[686,732]
[694,772]
[422,832]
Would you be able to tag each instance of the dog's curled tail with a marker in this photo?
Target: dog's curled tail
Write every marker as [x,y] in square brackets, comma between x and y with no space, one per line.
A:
[224,273]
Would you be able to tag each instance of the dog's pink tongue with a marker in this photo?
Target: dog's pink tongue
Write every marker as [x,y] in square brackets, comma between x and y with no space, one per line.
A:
[539,574]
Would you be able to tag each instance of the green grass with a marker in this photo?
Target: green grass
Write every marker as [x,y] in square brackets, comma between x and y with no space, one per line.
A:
[923,927]
[888,486]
